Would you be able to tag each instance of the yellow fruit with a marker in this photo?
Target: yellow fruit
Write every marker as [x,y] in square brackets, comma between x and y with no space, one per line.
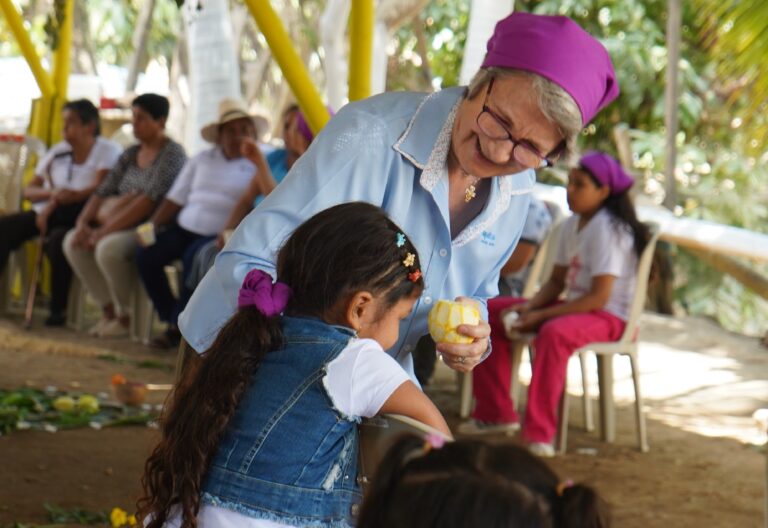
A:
[64,403]
[445,316]
[88,403]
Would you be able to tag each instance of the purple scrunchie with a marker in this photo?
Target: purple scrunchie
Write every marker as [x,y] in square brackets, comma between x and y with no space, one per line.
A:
[259,291]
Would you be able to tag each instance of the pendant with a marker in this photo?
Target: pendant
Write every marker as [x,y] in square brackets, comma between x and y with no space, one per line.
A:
[469,193]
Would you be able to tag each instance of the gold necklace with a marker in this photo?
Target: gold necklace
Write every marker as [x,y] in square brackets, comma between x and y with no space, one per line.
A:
[471,191]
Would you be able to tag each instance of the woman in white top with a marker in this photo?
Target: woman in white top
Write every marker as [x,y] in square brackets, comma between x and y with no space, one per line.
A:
[596,264]
[198,205]
[64,179]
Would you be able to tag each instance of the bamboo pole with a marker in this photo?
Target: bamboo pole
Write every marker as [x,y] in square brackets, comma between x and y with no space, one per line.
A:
[16,24]
[290,63]
[61,66]
[360,49]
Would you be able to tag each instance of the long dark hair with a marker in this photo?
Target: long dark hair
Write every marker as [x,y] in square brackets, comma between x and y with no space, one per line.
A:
[339,251]
[473,483]
[623,211]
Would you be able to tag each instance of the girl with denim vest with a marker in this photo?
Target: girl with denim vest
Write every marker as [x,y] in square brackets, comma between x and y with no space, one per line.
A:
[262,431]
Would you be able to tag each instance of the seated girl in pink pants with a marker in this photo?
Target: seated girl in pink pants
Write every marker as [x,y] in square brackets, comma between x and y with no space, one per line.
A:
[595,264]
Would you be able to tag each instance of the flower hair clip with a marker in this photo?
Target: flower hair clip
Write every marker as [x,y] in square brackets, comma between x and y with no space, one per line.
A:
[433,441]
[410,258]
[400,240]
[414,275]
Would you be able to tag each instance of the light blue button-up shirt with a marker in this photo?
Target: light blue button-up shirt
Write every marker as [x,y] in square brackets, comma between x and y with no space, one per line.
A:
[389,150]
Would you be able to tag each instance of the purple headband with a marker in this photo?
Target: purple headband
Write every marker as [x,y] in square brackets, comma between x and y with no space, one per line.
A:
[257,290]
[304,126]
[607,171]
[558,49]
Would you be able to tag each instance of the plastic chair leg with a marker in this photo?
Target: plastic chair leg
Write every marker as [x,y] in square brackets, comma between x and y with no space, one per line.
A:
[642,436]
[466,394]
[589,422]
[516,356]
[562,435]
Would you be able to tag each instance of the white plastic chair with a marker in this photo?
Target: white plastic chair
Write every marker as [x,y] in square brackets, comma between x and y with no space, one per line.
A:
[626,346]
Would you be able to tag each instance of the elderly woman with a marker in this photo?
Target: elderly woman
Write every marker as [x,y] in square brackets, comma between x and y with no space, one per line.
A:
[454,168]
[102,245]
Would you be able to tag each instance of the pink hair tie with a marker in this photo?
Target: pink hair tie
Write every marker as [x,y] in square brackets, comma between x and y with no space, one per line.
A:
[259,291]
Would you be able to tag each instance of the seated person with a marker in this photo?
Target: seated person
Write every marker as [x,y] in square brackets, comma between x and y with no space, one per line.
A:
[297,137]
[514,273]
[596,263]
[64,179]
[197,206]
[102,245]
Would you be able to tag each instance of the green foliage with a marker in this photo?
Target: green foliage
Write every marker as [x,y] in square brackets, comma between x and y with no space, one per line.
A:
[57,514]
[444,24]
[35,409]
[721,169]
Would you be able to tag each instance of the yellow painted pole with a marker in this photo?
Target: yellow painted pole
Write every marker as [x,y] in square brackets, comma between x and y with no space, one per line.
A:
[290,63]
[61,66]
[360,49]
[16,24]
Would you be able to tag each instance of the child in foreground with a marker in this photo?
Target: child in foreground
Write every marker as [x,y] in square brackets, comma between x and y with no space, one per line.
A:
[263,431]
[471,483]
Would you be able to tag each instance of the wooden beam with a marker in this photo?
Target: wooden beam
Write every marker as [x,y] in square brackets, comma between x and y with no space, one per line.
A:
[735,268]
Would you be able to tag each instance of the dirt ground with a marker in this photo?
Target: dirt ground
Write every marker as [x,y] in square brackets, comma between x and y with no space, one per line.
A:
[701,385]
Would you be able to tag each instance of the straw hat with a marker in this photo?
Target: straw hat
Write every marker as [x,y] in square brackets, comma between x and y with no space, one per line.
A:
[229,110]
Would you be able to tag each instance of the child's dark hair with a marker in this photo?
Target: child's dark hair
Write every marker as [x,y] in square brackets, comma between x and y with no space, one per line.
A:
[86,112]
[339,251]
[155,105]
[473,483]
[623,210]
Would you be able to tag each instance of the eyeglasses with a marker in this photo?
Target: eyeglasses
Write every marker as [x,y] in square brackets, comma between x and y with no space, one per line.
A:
[491,125]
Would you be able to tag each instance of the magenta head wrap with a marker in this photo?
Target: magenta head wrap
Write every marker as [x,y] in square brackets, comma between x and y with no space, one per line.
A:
[257,290]
[607,171]
[556,48]
[301,122]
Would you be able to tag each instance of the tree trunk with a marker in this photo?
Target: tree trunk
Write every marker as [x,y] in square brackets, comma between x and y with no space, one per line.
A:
[140,37]
[213,69]
[482,19]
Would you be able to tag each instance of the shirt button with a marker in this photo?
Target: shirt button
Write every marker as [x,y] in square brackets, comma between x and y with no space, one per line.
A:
[427,300]
[443,252]
[408,348]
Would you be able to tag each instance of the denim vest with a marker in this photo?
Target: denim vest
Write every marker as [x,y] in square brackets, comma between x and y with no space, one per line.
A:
[288,455]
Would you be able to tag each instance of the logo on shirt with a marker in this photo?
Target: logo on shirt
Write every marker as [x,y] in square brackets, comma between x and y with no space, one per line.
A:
[488,238]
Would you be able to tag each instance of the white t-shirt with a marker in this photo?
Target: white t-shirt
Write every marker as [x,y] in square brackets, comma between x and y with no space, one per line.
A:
[65,174]
[359,381]
[602,247]
[208,188]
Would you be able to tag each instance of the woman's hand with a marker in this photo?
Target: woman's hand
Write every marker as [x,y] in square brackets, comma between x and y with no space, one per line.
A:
[66,196]
[464,357]
[530,321]
[41,218]
[250,149]
[82,237]
[520,308]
